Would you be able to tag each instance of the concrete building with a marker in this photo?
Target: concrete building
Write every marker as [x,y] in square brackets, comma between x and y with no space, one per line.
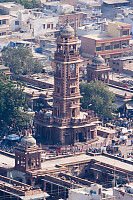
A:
[70,2]
[110,7]
[36,23]
[124,192]
[4,25]
[109,44]
[94,192]
[123,64]
[7,7]
[59,8]
[66,124]
[75,20]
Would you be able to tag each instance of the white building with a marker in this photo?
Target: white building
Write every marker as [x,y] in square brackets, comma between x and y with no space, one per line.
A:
[36,23]
[126,16]
[124,193]
[58,7]
[94,192]
[7,7]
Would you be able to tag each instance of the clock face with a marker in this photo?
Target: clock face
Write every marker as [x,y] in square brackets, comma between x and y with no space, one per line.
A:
[59,66]
[72,67]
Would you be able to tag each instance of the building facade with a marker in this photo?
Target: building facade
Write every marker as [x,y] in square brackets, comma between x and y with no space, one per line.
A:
[74,19]
[124,64]
[111,44]
[4,25]
[66,124]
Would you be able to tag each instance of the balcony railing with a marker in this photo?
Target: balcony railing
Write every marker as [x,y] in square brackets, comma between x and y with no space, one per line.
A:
[40,116]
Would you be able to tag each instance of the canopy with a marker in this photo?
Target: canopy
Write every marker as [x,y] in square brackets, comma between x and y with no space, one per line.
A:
[12,137]
[129,105]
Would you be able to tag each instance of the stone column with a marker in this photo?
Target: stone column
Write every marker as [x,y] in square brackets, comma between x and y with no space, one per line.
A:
[108,77]
[44,188]
[51,188]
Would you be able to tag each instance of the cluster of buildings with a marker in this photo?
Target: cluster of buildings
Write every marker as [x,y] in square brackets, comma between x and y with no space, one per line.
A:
[74,40]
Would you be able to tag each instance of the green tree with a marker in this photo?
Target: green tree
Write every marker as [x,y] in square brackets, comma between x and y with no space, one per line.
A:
[28,4]
[12,99]
[21,61]
[97,97]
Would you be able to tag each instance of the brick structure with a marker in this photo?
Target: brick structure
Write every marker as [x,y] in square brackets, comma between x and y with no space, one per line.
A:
[66,124]
[98,70]
[74,19]
[111,44]
[27,155]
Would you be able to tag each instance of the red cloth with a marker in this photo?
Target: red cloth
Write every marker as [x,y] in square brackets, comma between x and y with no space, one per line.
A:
[127,86]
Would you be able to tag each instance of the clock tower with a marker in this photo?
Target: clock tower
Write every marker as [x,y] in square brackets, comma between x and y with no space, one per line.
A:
[66,96]
[66,123]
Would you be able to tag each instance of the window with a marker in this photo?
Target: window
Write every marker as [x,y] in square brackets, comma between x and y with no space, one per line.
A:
[117,63]
[130,61]
[107,47]
[3,33]
[116,46]
[16,23]
[4,21]
[48,25]
[113,63]
[0,22]
[124,32]
[124,45]
[58,90]
[52,26]
[72,90]
[98,48]
[43,26]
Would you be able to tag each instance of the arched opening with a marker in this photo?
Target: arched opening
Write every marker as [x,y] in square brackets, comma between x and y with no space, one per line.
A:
[40,184]
[28,181]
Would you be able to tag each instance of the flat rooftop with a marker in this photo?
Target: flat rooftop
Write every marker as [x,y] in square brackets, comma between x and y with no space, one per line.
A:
[4,17]
[98,36]
[9,4]
[110,2]
[120,92]
[124,58]
[51,164]
[41,78]
[6,162]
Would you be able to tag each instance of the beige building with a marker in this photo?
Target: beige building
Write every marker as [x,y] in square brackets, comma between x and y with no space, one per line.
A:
[124,64]
[4,25]
[112,43]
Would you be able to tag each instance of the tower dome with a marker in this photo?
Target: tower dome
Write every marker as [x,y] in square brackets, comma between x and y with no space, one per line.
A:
[98,60]
[28,140]
[67,31]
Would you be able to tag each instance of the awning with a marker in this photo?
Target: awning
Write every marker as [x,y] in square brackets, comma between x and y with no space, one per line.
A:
[129,105]
[12,137]
[119,104]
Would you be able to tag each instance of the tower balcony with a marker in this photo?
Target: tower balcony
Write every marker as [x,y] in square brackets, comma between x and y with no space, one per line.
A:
[58,121]
[71,56]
